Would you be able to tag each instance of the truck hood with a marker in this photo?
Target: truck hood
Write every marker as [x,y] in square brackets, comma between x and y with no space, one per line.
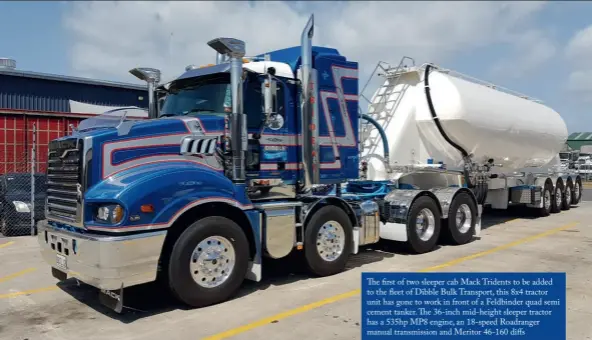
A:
[132,144]
[210,124]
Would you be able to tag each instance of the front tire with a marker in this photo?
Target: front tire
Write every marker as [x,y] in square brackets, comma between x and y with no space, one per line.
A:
[423,225]
[209,262]
[462,218]
[328,241]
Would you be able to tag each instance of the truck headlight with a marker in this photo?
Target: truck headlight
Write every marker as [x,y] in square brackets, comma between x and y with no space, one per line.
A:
[22,207]
[110,213]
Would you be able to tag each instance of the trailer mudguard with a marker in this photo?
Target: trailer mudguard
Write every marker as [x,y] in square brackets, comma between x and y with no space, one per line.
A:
[445,196]
[399,201]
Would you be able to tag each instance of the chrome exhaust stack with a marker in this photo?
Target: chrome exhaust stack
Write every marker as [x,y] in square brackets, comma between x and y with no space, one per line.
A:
[220,58]
[235,50]
[308,109]
[152,77]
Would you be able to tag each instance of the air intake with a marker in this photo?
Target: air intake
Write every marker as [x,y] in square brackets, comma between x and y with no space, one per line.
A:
[7,64]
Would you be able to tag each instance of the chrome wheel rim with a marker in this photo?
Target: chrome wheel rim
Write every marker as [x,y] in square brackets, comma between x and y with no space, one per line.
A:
[547,200]
[330,241]
[577,191]
[568,196]
[425,224]
[558,197]
[212,261]
[464,218]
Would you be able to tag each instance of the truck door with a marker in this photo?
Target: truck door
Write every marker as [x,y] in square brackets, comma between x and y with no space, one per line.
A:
[274,154]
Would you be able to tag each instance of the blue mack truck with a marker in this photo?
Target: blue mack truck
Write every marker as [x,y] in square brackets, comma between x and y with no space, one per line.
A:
[239,160]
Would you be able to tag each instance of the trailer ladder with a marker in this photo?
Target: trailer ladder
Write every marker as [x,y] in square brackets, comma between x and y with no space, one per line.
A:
[384,102]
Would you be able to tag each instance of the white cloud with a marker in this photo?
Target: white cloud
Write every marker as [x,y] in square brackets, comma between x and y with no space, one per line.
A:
[109,38]
[532,50]
[579,54]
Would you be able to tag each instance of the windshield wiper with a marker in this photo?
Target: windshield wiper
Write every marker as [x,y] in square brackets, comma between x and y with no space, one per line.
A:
[186,113]
[198,110]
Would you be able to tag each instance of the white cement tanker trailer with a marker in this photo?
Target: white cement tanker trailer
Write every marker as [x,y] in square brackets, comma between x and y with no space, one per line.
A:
[447,131]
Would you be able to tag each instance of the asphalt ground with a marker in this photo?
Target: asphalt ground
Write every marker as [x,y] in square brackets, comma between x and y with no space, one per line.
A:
[289,304]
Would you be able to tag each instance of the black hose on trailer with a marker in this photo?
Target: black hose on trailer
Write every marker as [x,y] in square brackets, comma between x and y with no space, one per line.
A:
[480,190]
[435,117]
[381,132]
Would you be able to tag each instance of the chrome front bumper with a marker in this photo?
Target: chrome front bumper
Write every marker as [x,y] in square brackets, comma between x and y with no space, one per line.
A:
[105,262]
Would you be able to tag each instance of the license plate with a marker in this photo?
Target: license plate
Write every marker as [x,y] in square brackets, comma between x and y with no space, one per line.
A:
[61,261]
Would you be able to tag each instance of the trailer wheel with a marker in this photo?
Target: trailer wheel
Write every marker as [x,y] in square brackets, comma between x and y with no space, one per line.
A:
[557,199]
[423,225]
[462,217]
[328,241]
[568,192]
[208,262]
[577,192]
[547,201]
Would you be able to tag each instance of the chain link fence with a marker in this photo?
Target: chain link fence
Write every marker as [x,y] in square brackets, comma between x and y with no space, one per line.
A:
[22,190]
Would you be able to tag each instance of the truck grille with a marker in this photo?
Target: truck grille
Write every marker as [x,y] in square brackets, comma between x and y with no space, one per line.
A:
[64,180]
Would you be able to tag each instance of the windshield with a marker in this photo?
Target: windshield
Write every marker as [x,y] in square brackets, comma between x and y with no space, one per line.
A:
[112,118]
[215,96]
[205,97]
[564,155]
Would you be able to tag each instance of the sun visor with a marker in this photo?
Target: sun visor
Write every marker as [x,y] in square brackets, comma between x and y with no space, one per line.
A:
[196,72]
[199,72]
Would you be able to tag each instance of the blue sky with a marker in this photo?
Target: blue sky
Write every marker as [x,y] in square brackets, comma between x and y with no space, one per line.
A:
[80,39]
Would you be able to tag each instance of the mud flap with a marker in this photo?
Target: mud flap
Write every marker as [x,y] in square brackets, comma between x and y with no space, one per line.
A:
[58,274]
[477,234]
[112,299]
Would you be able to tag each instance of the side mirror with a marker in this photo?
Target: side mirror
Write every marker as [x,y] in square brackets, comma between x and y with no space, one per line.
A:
[161,102]
[270,103]
[269,91]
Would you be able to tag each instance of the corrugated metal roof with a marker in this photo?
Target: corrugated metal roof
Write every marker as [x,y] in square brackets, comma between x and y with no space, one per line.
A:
[56,77]
[577,144]
[42,94]
[580,136]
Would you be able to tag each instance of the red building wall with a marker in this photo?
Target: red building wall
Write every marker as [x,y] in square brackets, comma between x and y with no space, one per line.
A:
[16,139]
